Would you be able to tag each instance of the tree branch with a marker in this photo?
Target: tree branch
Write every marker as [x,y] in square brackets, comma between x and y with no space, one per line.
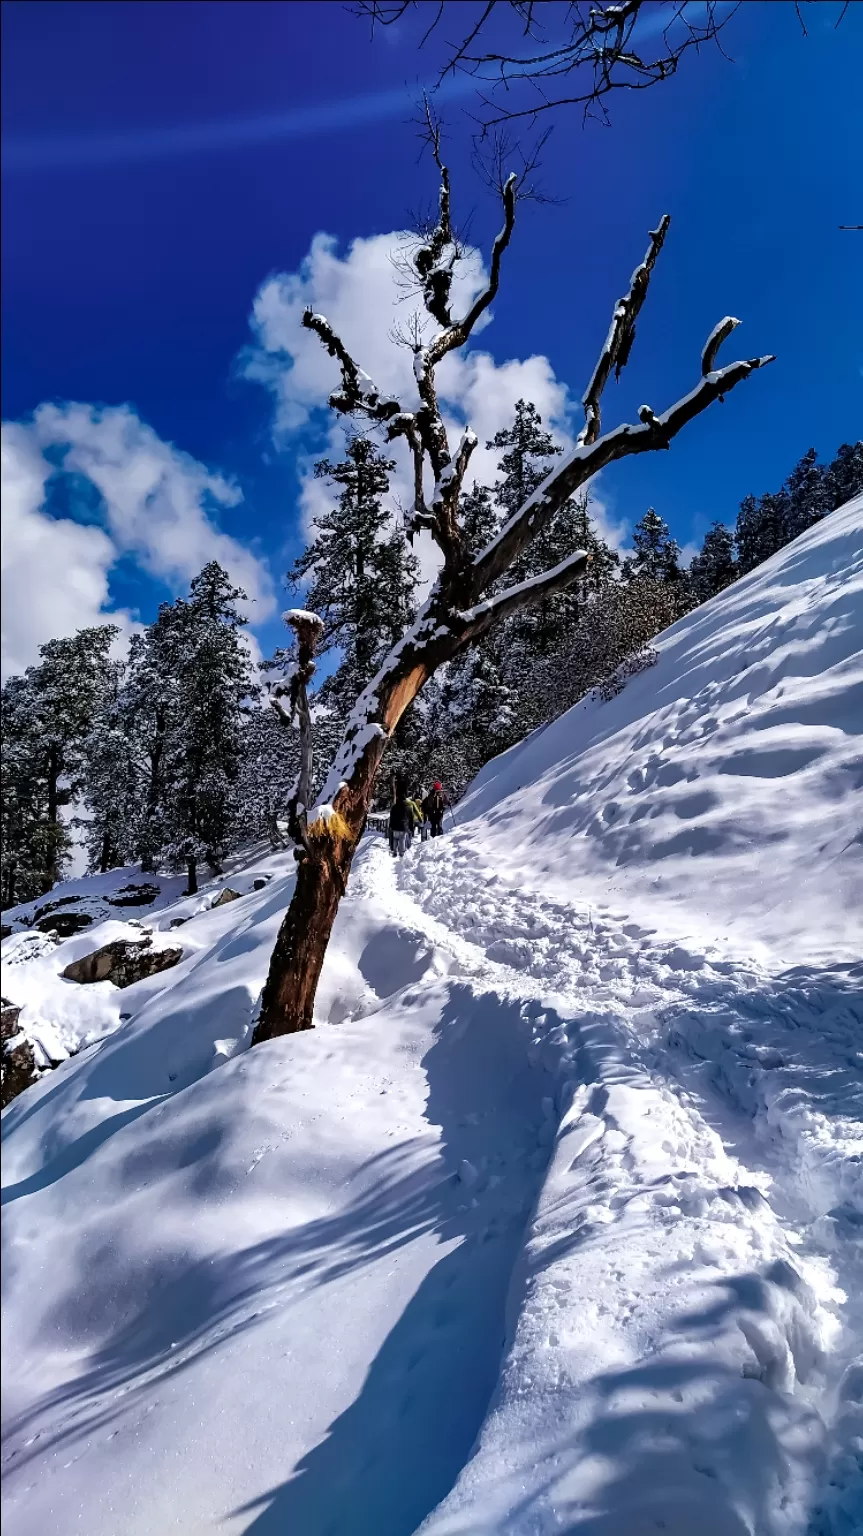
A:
[618,343]
[405,425]
[456,335]
[358,392]
[513,599]
[587,459]
[714,341]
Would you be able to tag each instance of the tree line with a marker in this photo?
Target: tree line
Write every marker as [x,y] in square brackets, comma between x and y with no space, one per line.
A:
[173,757]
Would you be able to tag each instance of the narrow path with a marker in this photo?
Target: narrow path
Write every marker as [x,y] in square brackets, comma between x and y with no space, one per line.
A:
[754,1084]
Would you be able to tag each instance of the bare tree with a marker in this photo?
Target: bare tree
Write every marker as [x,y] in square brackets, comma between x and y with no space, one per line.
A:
[469,595]
[530,56]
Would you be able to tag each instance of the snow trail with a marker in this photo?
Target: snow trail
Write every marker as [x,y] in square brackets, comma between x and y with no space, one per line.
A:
[715,1115]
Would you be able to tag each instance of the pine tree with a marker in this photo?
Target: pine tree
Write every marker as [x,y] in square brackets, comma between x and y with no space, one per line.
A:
[152,703]
[655,553]
[807,497]
[843,479]
[714,568]
[27,834]
[203,748]
[760,530]
[360,572]
[112,787]
[269,764]
[66,690]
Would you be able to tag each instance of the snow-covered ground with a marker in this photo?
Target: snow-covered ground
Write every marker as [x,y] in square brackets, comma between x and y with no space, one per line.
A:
[554,1223]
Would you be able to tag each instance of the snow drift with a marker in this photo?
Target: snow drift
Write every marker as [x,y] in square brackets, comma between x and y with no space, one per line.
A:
[553,1223]
[723,785]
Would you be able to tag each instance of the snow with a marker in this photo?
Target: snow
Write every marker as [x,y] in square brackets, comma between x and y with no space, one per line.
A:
[552,1224]
[721,788]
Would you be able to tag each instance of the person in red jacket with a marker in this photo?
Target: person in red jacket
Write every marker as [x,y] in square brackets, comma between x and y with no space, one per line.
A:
[434,806]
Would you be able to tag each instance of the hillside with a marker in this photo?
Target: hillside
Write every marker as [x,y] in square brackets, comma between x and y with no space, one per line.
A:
[553,1223]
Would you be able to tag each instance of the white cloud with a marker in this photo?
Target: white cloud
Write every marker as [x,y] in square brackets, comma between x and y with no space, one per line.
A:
[361,296]
[54,571]
[159,507]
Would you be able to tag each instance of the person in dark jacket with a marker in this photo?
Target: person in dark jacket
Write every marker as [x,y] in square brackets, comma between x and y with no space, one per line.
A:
[401,824]
[434,806]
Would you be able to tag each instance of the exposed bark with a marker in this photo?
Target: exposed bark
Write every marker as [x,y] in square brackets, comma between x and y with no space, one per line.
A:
[192,881]
[457,613]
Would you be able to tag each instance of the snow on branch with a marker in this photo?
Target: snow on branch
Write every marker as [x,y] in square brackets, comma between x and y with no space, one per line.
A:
[618,342]
[714,341]
[358,391]
[524,595]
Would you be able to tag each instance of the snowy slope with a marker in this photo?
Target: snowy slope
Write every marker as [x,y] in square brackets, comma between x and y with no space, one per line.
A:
[553,1224]
[723,786]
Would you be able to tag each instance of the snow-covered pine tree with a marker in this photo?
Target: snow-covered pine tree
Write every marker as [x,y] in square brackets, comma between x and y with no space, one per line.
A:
[844,477]
[358,572]
[714,567]
[151,701]
[203,746]
[27,834]
[654,552]
[808,497]
[112,783]
[528,457]
[269,764]
[66,689]
[760,530]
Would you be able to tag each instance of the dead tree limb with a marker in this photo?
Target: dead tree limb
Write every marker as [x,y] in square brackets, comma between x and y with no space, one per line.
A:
[464,602]
[565,55]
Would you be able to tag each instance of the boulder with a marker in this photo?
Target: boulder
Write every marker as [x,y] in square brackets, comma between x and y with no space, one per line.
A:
[5,931]
[17,1061]
[261,882]
[123,962]
[64,924]
[225,896]
[141,895]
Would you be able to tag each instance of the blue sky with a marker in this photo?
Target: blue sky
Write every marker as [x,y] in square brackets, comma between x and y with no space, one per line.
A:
[162,162]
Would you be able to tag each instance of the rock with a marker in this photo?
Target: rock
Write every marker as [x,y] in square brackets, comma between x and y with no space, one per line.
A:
[51,906]
[9,1015]
[17,1061]
[177,922]
[64,924]
[226,896]
[123,962]
[261,882]
[5,931]
[141,895]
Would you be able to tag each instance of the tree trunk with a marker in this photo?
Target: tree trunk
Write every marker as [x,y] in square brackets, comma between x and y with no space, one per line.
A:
[192,864]
[148,853]
[288,1001]
[53,808]
[105,857]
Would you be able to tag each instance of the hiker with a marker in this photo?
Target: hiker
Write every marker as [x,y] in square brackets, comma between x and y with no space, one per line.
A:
[425,824]
[434,806]
[416,807]
[401,824]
